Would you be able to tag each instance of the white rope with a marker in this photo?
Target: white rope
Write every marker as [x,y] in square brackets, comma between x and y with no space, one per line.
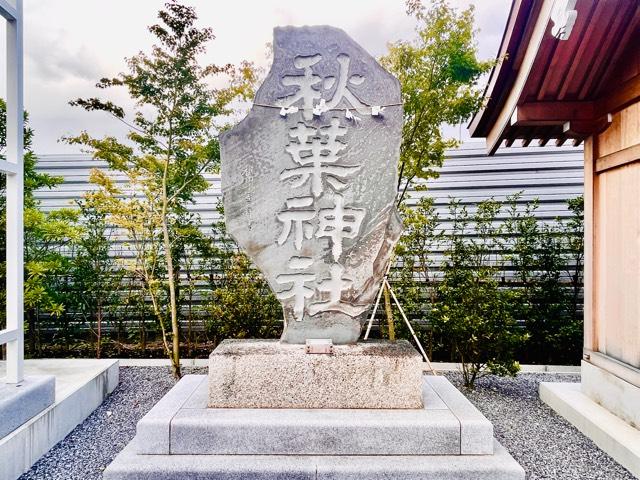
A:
[321,107]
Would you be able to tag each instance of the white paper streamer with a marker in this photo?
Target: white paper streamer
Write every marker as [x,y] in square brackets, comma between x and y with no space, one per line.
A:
[286,111]
[350,116]
[320,108]
[377,110]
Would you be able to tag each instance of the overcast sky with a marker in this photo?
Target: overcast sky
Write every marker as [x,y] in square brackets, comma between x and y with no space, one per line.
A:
[69,44]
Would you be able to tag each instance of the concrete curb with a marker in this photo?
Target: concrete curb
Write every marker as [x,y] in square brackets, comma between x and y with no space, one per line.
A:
[81,386]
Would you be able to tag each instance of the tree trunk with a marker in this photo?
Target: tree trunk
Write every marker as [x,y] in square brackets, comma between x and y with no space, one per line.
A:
[174,354]
[175,327]
[99,328]
[389,314]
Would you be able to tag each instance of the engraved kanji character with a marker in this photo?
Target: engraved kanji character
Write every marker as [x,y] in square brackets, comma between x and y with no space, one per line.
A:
[317,155]
[338,223]
[335,284]
[343,91]
[311,87]
[299,291]
[308,83]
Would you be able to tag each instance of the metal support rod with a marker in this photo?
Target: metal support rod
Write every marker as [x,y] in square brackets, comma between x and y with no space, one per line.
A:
[385,283]
[406,320]
[375,307]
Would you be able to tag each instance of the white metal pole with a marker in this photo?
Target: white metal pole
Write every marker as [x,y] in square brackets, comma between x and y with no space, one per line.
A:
[375,307]
[373,314]
[14,198]
[413,333]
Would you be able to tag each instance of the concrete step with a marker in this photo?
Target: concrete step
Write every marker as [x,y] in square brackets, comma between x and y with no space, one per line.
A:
[81,385]
[181,424]
[180,438]
[22,401]
[130,465]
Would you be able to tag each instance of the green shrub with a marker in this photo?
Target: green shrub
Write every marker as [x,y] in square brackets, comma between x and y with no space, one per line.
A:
[473,313]
[243,306]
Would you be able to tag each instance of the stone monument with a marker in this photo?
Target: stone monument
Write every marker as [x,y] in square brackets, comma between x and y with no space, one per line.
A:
[309,180]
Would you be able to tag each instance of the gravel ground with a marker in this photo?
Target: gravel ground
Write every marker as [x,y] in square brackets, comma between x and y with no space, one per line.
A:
[545,445]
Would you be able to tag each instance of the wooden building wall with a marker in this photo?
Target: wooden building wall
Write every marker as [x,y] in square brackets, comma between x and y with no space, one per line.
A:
[612,229]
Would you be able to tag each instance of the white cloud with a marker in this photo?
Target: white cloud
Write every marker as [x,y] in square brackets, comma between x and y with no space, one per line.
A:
[69,44]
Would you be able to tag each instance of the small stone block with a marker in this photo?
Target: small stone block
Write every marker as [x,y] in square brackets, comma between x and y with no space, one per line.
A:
[20,402]
[271,374]
[475,429]
[153,430]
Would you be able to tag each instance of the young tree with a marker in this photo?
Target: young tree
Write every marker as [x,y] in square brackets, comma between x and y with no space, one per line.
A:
[573,234]
[243,306]
[96,276]
[172,142]
[415,279]
[438,73]
[544,255]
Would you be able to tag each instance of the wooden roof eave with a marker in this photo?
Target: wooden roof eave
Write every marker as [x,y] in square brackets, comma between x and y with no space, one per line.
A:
[496,133]
[499,69]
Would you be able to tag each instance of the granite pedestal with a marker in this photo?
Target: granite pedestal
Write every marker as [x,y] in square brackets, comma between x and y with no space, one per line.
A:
[447,438]
[272,374]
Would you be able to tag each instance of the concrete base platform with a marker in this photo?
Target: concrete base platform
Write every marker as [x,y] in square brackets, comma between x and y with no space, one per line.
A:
[180,438]
[81,385]
[20,402]
[612,434]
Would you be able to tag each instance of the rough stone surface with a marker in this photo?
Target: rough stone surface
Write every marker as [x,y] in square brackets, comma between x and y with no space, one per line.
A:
[272,374]
[22,401]
[311,198]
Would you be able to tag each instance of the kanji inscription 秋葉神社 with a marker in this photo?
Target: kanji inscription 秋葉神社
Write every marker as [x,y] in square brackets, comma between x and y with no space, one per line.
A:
[309,180]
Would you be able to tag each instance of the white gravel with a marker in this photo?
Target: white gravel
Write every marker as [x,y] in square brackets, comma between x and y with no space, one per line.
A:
[544,444]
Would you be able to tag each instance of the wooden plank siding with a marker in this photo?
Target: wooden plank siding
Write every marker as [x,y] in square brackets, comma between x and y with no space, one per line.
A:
[612,328]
